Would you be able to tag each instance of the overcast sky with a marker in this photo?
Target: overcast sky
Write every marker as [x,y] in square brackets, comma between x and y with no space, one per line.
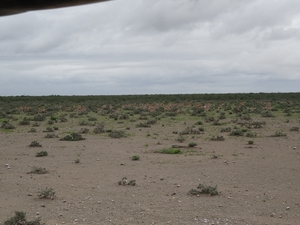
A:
[153,47]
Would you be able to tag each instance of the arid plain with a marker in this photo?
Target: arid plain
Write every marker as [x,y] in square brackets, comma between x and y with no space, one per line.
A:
[251,157]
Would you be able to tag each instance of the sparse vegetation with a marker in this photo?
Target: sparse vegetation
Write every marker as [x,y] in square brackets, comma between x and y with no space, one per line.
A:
[217,138]
[204,189]
[294,129]
[38,170]
[117,134]
[125,182]
[170,151]
[46,193]
[250,142]
[278,134]
[161,120]
[41,154]
[20,219]
[72,137]
[135,158]
[35,144]
[192,144]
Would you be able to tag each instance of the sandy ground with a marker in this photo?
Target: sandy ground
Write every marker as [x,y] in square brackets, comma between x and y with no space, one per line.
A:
[258,184]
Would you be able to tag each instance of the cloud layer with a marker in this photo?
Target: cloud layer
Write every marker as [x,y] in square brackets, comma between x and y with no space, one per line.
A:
[152,47]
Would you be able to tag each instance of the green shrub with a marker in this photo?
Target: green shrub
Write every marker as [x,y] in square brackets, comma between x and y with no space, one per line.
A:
[199,123]
[204,189]
[217,138]
[227,129]
[294,129]
[278,134]
[192,144]
[72,137]
[46,193]
[99,128]
[20,219]
[201,129]
[51,136]
[41,154]
[39,117]
[124,182]
[251,134]
[35,124]
[135,157]
[143,125]
[169,151]
[7,125]
[250,142]
[237,132]
[25,121]
[180,139]
[48,129]
[117,134]
[38,170]
[32,130]
[267,114]
[35,144]
[92,119]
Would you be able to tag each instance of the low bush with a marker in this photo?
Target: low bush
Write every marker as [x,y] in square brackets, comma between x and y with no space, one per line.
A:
[35,144]
[20,219]
[226,129]
[72,137]
[180,139]
[278,134]
[32,130]
[7,125]
[38,170]
[294,129]
[204,189]
[250,142]
[124,182]
[135,157]
[169,151]
[117,134]
[51,136]
[46,193]
[237,132]
[192,144]
[41,154]
[217,138]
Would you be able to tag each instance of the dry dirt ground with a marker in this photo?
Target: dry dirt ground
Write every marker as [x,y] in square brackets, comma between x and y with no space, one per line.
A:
[258,184]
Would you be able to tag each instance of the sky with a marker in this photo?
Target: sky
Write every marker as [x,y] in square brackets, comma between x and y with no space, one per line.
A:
[126,47]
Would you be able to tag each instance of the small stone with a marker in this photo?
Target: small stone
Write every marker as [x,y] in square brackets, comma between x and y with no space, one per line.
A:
[37,213]
[178,185]
[273,214]
[29,194]
[294,148]
[287,208]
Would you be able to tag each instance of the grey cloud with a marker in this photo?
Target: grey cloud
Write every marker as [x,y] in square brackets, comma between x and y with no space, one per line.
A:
[170,46]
